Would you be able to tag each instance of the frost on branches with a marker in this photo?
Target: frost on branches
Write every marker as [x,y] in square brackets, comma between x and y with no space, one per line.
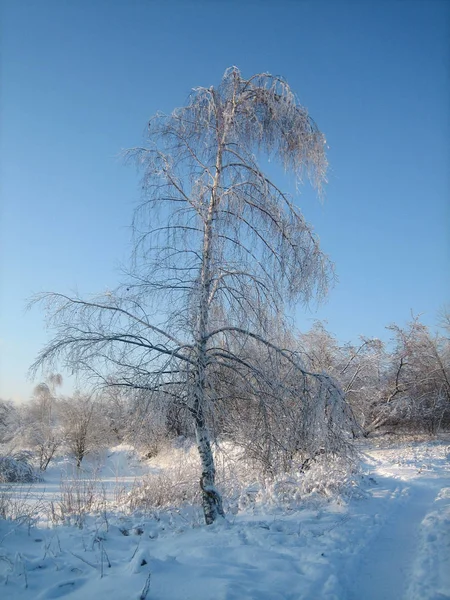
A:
[219,252]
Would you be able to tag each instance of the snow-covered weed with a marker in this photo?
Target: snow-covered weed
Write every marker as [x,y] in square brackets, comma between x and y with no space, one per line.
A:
[330,476]
[17,503]
[171,486]
[79,497]
[162,489]
[174,483]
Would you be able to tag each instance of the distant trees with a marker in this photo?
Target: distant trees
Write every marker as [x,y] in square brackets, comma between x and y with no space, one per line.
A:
[288,417]
[117,410]
[404,385]
[220,251]
[83,424]
[356,366]
[8,421]
[40,428]
[49,423]
[417,385]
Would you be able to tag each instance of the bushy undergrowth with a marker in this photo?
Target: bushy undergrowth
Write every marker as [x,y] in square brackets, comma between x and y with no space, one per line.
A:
[244,486]
[174,481]
[17,502]
[171,486]
[241,481]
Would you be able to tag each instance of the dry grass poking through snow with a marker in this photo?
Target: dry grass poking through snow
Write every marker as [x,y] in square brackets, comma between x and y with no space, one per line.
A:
[170,483]
[174,482]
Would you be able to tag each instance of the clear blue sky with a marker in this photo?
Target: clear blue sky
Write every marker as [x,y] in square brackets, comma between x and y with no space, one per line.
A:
[80,79]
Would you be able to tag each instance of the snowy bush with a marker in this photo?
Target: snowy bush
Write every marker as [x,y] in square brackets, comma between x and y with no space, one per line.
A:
[163,490]
[246,486]
[16,469]
[241,480]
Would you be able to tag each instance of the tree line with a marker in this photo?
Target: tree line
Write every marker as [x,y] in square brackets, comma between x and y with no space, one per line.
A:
[399,386]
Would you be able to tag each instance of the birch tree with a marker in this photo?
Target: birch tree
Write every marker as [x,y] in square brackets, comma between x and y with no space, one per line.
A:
[40,428]
[220,252]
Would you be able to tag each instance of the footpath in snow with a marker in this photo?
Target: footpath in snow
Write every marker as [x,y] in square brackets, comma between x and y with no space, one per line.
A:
[409,555]
[389,541]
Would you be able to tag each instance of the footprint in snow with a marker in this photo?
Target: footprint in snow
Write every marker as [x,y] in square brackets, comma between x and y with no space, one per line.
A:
[61,589]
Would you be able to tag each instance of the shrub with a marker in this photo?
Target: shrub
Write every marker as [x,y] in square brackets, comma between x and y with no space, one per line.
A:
[16,468]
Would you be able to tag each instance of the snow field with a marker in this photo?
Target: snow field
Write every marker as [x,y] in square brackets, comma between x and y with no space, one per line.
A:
[386,535]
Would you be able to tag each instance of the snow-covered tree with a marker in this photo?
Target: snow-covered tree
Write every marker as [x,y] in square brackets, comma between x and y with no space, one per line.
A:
[416,382]
[84,425]
[8,421]
[40,428]
[358,367]
[220,251]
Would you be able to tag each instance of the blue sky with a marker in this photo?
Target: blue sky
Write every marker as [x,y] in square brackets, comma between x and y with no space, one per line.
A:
[80,80]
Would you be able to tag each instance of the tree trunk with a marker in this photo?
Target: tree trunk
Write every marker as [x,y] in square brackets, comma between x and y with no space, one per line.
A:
[211,499]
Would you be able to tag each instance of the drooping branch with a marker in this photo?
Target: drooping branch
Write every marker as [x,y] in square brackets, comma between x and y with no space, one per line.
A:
[219,250]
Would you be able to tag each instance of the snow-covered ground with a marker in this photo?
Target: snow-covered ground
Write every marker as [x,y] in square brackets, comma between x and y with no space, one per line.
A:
[388,537]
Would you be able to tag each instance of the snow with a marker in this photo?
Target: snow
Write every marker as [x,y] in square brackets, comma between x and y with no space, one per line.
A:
[386,538]
[389,566]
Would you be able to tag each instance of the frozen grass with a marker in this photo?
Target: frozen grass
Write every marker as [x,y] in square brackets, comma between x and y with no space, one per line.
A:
[19,504]
[119,483]
[174,482]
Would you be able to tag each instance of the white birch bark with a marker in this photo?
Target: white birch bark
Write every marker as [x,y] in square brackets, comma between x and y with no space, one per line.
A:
[211,499]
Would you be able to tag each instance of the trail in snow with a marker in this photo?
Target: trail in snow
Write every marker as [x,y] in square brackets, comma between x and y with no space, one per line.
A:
[386,566]
[408,556]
